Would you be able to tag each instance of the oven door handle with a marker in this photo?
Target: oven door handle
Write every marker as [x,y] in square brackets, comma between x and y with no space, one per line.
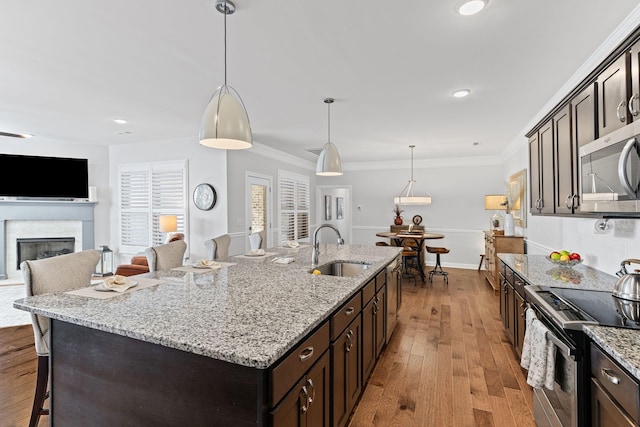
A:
[571,352]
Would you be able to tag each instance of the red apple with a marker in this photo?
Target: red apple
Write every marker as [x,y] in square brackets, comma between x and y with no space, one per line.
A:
[574,255]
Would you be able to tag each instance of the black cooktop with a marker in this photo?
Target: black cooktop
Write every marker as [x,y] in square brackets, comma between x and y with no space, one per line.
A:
[598,306]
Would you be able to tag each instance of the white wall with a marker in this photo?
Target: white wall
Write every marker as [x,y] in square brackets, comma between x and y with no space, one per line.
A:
[205,165]
[263,161]
[457,188]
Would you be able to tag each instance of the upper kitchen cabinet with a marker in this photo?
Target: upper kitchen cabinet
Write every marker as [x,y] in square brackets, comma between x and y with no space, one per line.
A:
[541,165]
[566,170]
[614,89]
[634,100]
[584,129]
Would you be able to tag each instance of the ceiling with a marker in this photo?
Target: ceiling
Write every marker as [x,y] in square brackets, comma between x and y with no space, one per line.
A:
[70,67]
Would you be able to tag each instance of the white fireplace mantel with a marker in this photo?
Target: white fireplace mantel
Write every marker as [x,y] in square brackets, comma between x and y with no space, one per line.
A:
[45,210]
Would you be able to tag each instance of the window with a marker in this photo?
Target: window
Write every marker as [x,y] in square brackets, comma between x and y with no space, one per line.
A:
[293,199]
[147,191]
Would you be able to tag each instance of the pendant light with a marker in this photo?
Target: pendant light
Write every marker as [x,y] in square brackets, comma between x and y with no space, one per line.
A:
[329,163]
[406,196]
[225,123]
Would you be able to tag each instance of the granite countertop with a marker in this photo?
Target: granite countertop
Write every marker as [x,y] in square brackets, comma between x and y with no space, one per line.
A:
[250,313]
[538,270]
[621,344]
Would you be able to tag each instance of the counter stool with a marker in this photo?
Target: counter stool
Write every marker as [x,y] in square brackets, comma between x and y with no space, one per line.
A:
[435,270]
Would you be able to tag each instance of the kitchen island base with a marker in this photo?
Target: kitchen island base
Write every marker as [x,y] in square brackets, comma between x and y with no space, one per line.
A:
[104,379]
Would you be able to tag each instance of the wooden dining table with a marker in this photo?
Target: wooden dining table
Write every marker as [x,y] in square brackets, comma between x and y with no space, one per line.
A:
[399,236]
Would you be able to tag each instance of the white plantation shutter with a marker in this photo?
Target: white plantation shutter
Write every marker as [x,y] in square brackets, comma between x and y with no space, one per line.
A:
[294,204]
[146,192]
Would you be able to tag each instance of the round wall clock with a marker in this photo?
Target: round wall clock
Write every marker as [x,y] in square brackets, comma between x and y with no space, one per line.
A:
[204,196]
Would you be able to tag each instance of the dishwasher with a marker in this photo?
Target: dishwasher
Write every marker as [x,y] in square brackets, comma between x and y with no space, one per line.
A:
[394,295]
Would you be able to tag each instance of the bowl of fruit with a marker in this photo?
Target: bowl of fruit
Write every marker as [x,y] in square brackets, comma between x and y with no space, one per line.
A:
[565,258]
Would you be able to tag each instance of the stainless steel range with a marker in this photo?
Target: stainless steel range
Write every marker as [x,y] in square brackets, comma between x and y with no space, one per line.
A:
[564,312]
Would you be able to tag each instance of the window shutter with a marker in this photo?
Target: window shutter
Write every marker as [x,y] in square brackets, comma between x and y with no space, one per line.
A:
[293,193]
[146,192]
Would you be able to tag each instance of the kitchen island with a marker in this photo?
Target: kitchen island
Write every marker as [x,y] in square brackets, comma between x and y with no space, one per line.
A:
[210,348]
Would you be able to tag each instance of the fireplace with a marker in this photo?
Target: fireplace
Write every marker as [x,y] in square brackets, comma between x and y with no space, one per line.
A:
[43,247]
[49,220]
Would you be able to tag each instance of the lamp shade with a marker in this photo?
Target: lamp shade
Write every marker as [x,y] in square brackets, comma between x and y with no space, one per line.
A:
[225,122]
[168,223]
[412,200]
[494,201]
[329,163]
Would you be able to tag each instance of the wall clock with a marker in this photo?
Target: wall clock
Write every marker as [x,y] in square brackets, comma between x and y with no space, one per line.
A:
[204,196]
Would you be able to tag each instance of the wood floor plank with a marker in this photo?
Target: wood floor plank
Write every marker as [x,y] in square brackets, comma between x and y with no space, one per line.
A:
[468,376]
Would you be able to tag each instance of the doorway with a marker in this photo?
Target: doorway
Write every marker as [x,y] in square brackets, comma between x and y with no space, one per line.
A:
[258,207]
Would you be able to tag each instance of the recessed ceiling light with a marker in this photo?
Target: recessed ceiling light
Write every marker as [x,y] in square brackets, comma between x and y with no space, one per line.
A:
[461,93]
[470,7]
[120,121]
[476,143]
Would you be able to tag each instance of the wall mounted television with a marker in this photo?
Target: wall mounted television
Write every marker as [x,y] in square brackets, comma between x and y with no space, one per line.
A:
[58,178]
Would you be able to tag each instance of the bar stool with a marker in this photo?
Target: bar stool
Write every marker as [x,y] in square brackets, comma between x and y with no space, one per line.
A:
[440,272]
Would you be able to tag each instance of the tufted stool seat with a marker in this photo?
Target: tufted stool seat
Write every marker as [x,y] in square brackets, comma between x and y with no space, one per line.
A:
[437,269]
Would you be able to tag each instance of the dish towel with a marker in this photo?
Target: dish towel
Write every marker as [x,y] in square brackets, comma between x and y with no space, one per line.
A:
[540,356]
[525,359]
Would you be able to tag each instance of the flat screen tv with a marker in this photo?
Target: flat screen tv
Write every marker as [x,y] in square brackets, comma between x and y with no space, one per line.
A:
[58,178]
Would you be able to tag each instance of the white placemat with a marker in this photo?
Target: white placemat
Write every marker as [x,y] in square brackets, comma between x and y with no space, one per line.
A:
[92,293]
[192,269]
[266,254]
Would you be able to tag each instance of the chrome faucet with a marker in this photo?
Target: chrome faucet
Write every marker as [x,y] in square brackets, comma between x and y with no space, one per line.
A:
[315,253]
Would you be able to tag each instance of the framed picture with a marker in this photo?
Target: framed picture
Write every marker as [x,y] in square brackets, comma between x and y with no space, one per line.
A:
[339,207]
[518,191]
[327,207]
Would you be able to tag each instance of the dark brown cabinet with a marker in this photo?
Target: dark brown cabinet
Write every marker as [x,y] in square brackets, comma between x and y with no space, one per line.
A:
[613,92]
[512,306]
[373,331]
[307,404]
[541,165]
[566,159]
[346,353]
[615,394]
[634,99]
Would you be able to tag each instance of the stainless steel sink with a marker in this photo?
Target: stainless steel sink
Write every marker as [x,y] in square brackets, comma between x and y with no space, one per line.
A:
[342,268]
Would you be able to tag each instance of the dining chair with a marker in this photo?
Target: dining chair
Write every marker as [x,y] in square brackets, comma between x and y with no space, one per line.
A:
[218,247]
[411,257]
[48,275]
[167,256]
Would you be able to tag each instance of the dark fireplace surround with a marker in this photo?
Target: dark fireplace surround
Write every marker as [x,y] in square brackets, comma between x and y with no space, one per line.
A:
[37,210]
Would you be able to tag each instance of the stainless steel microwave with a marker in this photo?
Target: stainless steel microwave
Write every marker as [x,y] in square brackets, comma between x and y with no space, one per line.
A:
[610,172]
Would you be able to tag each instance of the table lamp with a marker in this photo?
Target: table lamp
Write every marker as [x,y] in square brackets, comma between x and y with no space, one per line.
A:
[494,202]
[169,225]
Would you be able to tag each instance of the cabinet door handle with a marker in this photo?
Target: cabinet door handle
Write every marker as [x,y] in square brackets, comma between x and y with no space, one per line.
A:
[634,112]
[304,405]
[312,395]
[306,354]
[349,340]
[349,311]
[569,201]
[612,378]
[622,117]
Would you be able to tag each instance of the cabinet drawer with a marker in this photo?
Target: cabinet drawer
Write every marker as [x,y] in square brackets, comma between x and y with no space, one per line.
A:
[345,315]
[368,291]
[518,284]
[290,370]
[621,386]
[381,280]
[508,274]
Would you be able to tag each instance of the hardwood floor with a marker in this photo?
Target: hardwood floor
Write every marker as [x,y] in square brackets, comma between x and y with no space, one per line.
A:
[448,363]
[18,366]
